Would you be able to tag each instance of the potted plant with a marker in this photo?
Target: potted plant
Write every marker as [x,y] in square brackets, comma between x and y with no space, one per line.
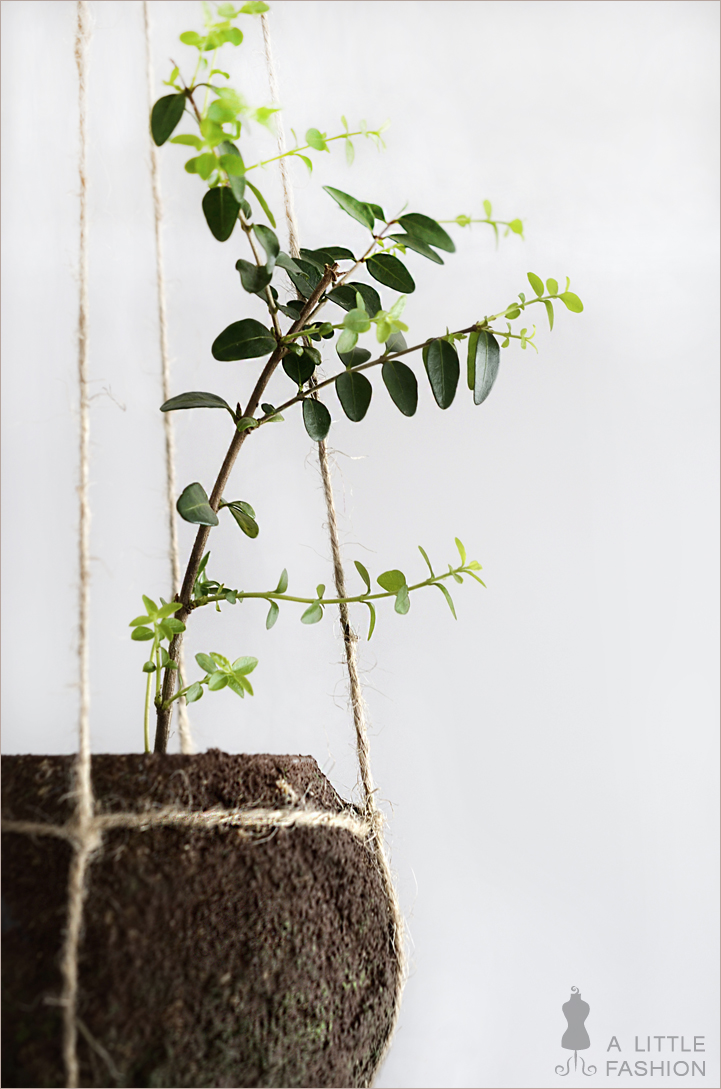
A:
[239,921]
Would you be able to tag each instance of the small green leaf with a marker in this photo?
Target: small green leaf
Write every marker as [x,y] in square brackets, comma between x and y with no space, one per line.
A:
[355,357]
[254,7]
[396,343]
[425,557]
[320,590]
[244,339]
[282,582]
[172,625]
[140,620]
[427,230]
[247,423]
[513,312]
[254,278]
[273,613]
[299,368]
[388,270]
[316,418]
[516,226]
[141,634]
[402,385]
[461,552]
[187,139]
[217,680]
[483,363]
[269,241]
[363,574]
[536,283]
[246,522]
[357,320]
[372,624]
[194,693]
[354,393]
[195,399]
[377,211]
[448,598]
[312,614]
[240,686]
[354,208]
[549,310]
[221,211]
[345,296]
[189,37]
[231,596]
[193,506]
[391,580]
[487,208]
[552,286]
[220,660]
[169,609]
[571,301]
[165,116]
[403,601]
[412,243]
[149,667]
[316,140]
[443,370]
[205,662]
[261,201]
[150,605]
[244,665]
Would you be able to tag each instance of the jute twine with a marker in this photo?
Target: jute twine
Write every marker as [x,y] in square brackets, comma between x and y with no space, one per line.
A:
[84,829]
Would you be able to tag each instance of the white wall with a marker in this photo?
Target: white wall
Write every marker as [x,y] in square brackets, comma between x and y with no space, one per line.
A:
[549,760]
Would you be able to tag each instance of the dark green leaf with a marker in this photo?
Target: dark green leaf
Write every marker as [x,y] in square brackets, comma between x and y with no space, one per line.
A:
[536,283]
[448,598]
[195,399]
[194,507]
[141,634]
[282,582]
[149,667]
[357,209]
[273,613]
[401,383]
[396,343]
[244,339]
[443,370]
[286,262]
[246,423]
[261,201]
[306,279]
[372,624]
[403,601]
[246,523]
[392,580]
[299,368]
[363,574]
[217,680]
[268,241]
[377,211]
[483,363]
[316,418]
[312,614]
[427,230]
[328,254]
[254,278]
[205,662]
[413,243]
[388,270]
[354,393]
[572,301]
[221,211]
[165,115]
[355,357]
[345,296]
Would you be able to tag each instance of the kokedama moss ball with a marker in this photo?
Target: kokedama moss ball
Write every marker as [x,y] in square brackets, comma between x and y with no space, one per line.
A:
[209,957]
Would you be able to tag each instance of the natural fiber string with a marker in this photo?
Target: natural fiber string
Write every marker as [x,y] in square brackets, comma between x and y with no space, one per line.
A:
[186,740]
[373,814]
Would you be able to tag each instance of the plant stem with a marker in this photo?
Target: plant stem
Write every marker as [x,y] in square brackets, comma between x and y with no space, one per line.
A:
[146,723]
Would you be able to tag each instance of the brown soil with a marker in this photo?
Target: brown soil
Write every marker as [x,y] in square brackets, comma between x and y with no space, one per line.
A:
[207,959]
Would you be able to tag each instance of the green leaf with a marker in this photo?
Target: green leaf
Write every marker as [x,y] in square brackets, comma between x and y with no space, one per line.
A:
[513,312]
[355,357]
[552,286]
[193,506]
[483,363]
[245,521]
[217,680]
[372,624]
[150,605]
[187,139]
[403,601]
[165,116]
[189,37]
[299,368]
[246,423]
[391,580]
[377,211]
[357,209]
[142,634]
[427,230]
[220,660]
[448,598]
[282,582]
[346,342]
[196,399]
[402,385]
[571,301]
[273,613]
[487,208]
[354,393]
[205,662]
[320,590]
[244,339]
[303,275]
[396,343]
[261,201]
[172,625]
[221,211]
[536,283]
[425,557]
[363,574]
[549,310]
[169,609]
[328,254]
[316,418]
[244,665]
[388,270]
[316,140]
[443,370]
[254,278]
[516,226]
[254,7]
[194,693]
[236,180]
[140,620]
[312,614]
[345,296]
[357,321]
[149,667]
[413,243]
[461,552]
[269,241]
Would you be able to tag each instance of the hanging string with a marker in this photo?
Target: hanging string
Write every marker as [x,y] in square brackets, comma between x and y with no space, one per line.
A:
[350,638]
[186,740]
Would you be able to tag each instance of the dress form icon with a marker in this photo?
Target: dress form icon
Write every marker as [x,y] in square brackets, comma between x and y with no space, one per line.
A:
[575,1038]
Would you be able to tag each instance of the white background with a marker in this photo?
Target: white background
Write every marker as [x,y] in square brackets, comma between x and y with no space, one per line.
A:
[548,761]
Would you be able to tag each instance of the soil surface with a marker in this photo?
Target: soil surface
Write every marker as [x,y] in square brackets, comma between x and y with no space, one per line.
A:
[208,958]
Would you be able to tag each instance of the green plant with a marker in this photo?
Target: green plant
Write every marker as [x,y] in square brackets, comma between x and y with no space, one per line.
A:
[321,276]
